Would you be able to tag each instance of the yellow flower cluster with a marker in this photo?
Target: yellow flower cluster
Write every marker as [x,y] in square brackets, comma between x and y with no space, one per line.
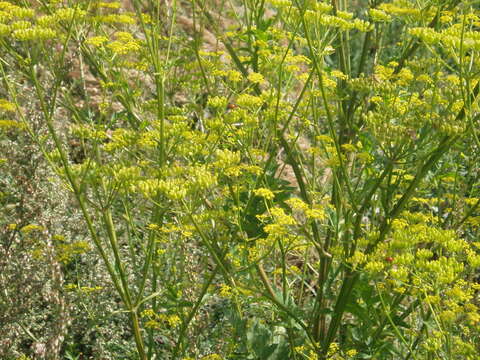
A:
[249,101]
[228,162]
[379,16]
[341,20]
[24,24]
[96,41]
[67,251]
[7,106]
[33,33]
[11,124]
[157,321]
[212,357]
[452,37]
[124,44]
[107,5]
[265,193]
[9,11]
[27,229]
[279,228]
[407,10]
[218,102]
[281,3]
[226,291]
[256,78]
[126,19]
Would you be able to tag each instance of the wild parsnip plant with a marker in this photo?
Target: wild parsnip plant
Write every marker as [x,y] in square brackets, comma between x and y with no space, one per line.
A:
[278,179]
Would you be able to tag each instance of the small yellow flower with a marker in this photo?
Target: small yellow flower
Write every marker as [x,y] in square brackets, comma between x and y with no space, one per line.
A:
[352,352]
[69,14]
[379,15]
[265,193]
[70,286]
[122,47]
[297,204]
[148,313]
[225,291]
[256,78]
[108,5]
[212,357]
[116,19]
[405,76]
[34,33]
[173,320]
[153,324]
[58,237]
[7,106]
[234,76]
[339,75]
[89,289]
[325,139]
[96,41]
[280,3]
[153,227]
[316,214]
[348,147]
[248,100]
[30,228]
[218,102]
[333,348]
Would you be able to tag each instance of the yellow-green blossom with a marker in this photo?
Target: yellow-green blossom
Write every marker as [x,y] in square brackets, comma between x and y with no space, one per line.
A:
[96,41]
[34,33]
[234,75]
[116,19]
[265,193]
[67,251]
[212,357]
[30,228]
[108,5]
[316,214]
[225,291]
[256,78]
[11,124]
[379,15]
[218,102]
[297,204]
[248,100]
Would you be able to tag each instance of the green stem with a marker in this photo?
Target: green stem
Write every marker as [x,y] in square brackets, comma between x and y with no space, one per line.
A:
[392,323]
[190,316]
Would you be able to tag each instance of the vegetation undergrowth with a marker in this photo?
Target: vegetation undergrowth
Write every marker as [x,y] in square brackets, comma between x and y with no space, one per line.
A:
[256,179]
